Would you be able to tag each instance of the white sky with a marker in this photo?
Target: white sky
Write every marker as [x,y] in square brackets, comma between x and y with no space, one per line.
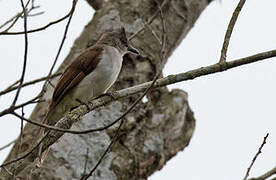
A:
[234,109]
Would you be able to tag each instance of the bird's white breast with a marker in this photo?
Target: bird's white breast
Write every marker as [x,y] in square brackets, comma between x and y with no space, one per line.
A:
[102,77]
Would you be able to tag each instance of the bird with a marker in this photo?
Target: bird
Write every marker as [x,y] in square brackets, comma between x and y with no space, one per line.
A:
[90,74]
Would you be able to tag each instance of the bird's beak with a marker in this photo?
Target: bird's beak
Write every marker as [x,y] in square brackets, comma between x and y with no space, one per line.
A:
[132,49]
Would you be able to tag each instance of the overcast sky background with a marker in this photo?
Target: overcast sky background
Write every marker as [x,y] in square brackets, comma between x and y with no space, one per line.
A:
[234,110]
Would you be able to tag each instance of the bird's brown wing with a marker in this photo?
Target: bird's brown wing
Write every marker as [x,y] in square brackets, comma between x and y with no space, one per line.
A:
[84,64]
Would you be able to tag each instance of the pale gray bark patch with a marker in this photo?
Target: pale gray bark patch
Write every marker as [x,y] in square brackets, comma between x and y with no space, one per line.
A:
[73,148]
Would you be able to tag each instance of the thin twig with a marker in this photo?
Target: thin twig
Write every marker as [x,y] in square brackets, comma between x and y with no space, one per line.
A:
[149,20]
[11,19]
[255,157]
[230,30]
[154,34]
[266,175]
[13,108]
[14,19]
[13,87]
[7,145]
[25,55]
[36,14]
[64,35]
[39,29]
[113,140]
[13,23]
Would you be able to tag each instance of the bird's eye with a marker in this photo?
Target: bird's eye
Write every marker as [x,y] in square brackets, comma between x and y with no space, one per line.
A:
[124,41]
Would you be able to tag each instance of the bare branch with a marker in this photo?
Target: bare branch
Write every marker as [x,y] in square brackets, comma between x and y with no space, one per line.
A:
[11,19]
[113,140]
[13,108]
[36,14]
[27,154]
[266,175]
[41,28]
[14,18]
[13,87]
[25,54]
[7,145]
[229,30]
[15,21]
[64,35]
[255,157]
[150,20]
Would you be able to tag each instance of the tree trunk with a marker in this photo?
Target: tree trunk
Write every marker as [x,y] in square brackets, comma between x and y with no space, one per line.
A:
[153,132]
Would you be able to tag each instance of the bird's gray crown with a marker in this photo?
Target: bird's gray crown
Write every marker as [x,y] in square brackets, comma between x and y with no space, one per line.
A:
[118,39]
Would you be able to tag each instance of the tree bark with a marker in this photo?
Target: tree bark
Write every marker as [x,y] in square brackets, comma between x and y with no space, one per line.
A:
[153,132]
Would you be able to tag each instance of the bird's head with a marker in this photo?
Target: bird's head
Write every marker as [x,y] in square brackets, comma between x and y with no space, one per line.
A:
[117,39]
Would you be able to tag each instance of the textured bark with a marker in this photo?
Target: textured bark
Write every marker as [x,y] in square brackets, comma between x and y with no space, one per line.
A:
[153,133]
